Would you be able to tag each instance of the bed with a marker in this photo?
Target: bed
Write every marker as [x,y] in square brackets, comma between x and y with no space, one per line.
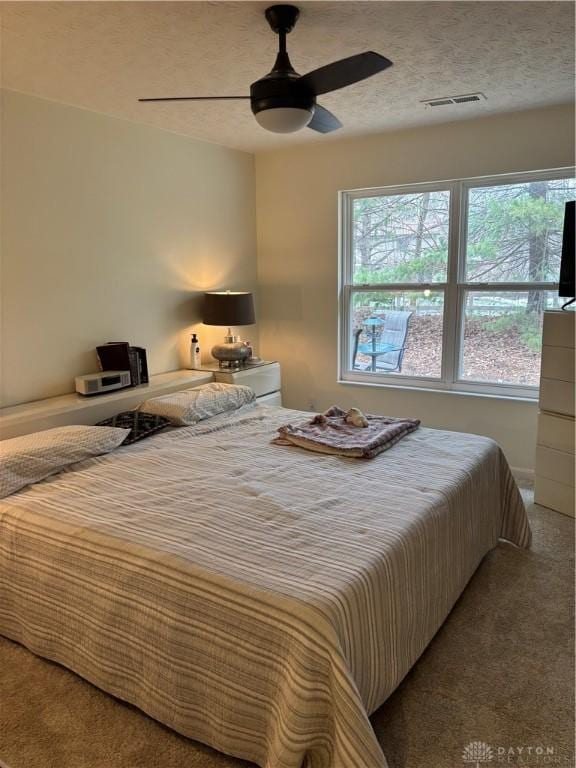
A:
[258,598]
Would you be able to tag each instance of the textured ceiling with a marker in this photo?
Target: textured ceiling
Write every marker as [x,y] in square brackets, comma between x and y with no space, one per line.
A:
[104,55]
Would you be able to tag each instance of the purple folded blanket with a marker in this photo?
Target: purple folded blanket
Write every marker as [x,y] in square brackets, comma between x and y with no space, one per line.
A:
[331,433]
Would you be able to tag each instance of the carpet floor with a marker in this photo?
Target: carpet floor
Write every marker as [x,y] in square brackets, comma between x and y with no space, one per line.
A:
[499,671]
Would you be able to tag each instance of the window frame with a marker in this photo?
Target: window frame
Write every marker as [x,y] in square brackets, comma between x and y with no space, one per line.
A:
[455,288]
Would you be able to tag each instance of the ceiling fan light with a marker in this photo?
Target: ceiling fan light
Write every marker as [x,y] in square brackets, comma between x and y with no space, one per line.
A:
[284,119]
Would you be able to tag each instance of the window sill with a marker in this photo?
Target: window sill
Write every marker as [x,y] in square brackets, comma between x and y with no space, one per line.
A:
[439,391]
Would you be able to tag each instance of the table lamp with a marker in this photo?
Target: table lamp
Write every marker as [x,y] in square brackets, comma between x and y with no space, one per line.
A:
[229,308]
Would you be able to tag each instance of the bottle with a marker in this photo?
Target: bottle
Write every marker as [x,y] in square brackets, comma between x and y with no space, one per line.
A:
[195,360]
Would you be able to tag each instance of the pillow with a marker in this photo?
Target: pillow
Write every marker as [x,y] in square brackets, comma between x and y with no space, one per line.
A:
[193,405]
[28,459]
[140,424]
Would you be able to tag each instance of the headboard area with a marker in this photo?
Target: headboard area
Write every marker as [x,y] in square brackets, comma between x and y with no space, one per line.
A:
[76,409]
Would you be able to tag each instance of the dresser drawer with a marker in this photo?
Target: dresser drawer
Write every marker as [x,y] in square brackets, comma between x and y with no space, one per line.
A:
[557,363]
[263,379]
[558,329]
[554,495]
[556,432]
[555,465]
[557,396]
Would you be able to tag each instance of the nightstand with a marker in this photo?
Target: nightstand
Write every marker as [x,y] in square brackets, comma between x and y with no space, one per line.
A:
[263,378]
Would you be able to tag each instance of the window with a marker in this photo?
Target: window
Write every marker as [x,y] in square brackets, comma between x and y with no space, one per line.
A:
[444,285]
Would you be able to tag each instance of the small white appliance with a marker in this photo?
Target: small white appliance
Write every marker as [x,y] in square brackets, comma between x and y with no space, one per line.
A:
[104,381]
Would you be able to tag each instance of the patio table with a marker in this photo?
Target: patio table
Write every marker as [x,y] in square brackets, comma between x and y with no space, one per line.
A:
[373,349]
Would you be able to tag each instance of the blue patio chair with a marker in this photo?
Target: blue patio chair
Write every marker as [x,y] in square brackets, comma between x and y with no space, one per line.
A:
[386,342]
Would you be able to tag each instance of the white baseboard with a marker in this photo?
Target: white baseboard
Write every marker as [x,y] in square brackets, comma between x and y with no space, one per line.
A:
[523,475]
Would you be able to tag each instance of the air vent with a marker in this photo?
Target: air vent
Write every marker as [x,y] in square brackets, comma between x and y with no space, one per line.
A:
[464,98]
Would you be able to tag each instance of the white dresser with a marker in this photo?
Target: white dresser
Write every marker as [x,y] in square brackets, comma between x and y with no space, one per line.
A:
[264,379]
[554,474]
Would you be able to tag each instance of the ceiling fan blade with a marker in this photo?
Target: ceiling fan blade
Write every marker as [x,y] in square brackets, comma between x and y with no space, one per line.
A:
[341,73]
[324,121]
[195,98]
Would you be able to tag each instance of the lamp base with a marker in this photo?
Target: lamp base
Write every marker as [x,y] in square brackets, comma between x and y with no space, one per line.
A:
[231,352]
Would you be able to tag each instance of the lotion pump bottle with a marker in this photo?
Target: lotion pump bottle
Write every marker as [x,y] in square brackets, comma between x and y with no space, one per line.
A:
[195,360]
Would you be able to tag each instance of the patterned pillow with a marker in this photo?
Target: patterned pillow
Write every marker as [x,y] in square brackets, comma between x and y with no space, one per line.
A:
[193,405]
[140,424]
[28,459]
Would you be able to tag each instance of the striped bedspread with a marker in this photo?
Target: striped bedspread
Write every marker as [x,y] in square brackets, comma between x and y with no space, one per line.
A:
[256,598]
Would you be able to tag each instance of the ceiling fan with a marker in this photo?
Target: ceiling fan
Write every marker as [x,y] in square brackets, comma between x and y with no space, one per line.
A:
[284,101]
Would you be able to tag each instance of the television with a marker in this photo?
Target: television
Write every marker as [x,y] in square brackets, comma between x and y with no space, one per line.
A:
[568,258]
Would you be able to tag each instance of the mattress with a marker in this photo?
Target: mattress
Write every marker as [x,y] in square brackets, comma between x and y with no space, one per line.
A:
[261,599]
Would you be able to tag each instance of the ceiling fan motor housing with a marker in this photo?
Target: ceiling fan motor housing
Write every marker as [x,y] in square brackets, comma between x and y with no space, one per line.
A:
[280,89]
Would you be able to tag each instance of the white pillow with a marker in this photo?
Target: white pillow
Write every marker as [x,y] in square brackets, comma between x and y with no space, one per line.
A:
[193,405]
[28,459]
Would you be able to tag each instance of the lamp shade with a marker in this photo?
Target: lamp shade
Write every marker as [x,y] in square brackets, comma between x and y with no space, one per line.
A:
[228,308]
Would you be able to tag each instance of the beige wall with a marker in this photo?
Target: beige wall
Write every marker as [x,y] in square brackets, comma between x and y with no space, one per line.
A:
[109,231]
[296,194]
